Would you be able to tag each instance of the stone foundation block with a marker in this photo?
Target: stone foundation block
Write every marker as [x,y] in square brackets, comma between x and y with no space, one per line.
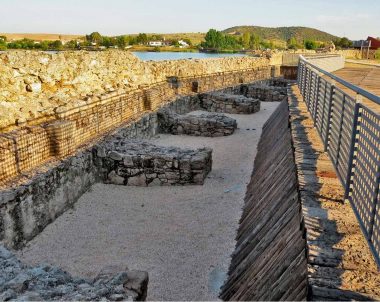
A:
[202,124]
[136,163]
[229,103]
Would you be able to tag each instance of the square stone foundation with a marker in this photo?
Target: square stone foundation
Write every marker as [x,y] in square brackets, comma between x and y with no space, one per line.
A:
[229,103]
[196,124]
[136,163]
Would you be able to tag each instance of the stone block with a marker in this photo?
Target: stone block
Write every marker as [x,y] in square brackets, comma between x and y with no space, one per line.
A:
[229,103]
[196,123]
[143,164]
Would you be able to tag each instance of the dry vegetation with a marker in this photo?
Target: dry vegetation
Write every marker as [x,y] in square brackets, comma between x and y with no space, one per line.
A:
[41,37]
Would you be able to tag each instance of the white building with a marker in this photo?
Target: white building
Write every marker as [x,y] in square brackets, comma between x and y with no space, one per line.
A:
[183,43]
[156,43]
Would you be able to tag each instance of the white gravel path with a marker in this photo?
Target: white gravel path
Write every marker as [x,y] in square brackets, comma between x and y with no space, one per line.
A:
[183,236]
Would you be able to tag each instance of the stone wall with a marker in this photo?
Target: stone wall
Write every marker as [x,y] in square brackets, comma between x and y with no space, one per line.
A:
[28,206]
[199,124]
[34,84]
[27,147]
[229,103]
[271,90]
[136,163]
[29,202]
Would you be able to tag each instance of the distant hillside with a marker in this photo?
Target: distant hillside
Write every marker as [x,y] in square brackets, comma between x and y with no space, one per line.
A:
[40,37]
[283,33]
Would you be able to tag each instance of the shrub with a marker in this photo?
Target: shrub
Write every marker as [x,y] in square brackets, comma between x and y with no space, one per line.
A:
[377,54]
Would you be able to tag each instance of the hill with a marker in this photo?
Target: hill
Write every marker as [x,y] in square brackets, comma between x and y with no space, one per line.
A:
[283,33]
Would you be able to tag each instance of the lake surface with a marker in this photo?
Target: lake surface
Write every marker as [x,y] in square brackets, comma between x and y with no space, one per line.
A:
[160,56]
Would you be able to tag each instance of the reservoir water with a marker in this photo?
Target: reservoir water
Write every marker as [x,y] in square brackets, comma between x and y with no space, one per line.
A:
[160,56]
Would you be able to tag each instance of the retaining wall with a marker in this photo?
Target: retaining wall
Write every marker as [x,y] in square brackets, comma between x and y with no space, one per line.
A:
[269,262]
[25,210]
[28,147]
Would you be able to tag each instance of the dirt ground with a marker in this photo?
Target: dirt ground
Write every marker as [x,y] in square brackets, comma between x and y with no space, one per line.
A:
[183,236]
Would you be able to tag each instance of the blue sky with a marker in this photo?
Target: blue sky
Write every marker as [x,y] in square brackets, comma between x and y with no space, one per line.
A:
[353,18]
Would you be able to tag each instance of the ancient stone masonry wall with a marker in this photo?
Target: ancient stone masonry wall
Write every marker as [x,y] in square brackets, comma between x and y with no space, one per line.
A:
[69,128]
[270,90]
[200,124]
[229,103]
[25,210]
[19,282]
[136,163]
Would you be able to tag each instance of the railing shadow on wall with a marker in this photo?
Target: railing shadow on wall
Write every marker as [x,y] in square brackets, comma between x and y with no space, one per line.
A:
[32,145]
[350,131]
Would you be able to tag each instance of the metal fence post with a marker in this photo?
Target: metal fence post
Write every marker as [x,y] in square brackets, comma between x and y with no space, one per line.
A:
[316,99]
[351,158]
[375,201]
[331,98]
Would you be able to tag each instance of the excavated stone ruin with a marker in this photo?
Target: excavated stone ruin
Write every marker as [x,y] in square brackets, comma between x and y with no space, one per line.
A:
[229,103]
[44,282]
[202,124]
[136,163]
[121,158]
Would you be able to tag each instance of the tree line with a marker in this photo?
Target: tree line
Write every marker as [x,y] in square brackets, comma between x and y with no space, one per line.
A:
[214,40]
[94,39]
[219,41]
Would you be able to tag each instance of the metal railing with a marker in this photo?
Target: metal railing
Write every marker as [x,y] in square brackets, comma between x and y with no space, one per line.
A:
[350,131]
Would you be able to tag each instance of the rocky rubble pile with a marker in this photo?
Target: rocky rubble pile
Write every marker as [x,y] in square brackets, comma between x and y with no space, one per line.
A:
[204,124]
[34,83]
[138,163]
[228,103]
[19,282]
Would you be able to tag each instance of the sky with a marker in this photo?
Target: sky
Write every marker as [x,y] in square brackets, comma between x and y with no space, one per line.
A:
[355,19]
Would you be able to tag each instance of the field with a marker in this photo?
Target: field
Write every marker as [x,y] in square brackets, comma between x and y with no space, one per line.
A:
[195,38]
[40,37]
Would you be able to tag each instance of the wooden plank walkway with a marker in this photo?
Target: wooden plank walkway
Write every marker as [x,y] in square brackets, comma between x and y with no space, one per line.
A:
[340,265]
[364,76]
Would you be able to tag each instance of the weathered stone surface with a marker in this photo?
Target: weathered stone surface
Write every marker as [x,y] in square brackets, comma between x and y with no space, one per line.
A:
[269,90]
[19,282]
[35,83]
[145,164]
[204,124]
[229,103]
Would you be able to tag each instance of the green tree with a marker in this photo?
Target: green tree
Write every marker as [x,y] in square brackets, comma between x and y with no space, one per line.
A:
[255,41]
[142,38]
[56,45]
[345,43]
[3,43]
[377,54]
[94,37]
[292,43]
[309,44]
[44,45]
[212,39]
[122,41]
[246,39]
[72,44]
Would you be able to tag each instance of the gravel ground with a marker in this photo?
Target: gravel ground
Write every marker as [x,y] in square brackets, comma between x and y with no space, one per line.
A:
[182,236]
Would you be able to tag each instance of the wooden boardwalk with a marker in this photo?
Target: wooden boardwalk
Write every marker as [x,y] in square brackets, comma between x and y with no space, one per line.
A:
[364,76]
[340,264]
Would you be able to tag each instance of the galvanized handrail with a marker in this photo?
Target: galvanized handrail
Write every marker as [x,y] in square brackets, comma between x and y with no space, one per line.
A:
[361,91]
[350,132]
